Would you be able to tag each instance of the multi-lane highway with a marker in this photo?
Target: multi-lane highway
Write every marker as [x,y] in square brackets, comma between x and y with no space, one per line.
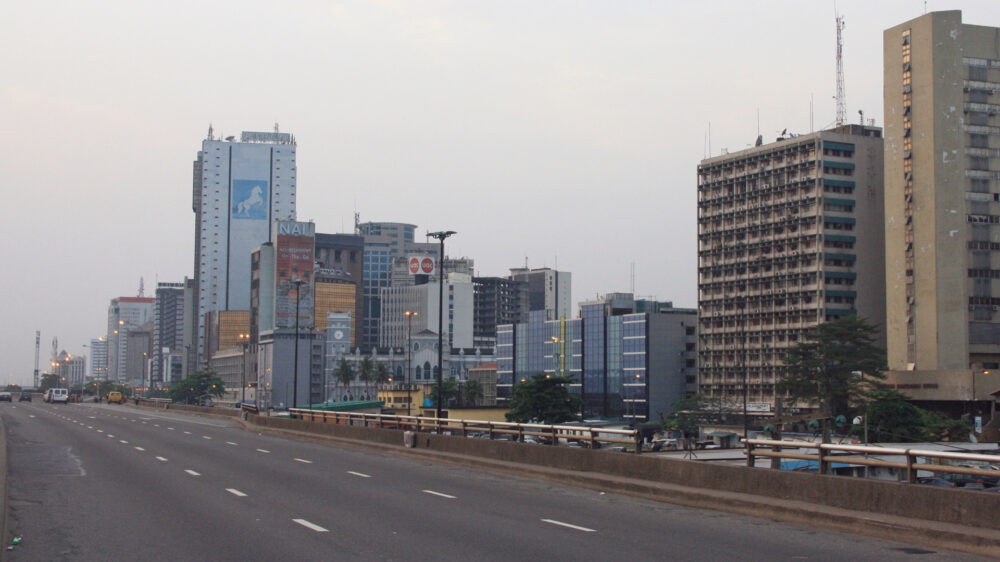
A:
[103,482]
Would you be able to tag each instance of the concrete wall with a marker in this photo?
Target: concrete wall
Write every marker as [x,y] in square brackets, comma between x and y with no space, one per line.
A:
[892,498]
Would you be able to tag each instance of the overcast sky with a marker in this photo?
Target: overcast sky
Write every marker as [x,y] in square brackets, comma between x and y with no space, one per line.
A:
[564,133]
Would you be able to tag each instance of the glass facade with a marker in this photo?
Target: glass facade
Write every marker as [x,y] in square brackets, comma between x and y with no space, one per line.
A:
[605,356]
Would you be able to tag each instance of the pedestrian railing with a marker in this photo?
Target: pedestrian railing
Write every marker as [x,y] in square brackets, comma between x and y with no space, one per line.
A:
[826,453]
[549,434]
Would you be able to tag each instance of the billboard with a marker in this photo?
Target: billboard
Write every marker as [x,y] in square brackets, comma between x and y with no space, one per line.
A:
[422,265]
[294,249]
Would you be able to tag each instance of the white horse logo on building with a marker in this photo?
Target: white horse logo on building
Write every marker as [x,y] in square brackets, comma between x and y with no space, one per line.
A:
[254,200]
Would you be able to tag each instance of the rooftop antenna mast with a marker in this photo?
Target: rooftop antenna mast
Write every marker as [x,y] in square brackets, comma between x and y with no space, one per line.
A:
[142,289]
[840,97]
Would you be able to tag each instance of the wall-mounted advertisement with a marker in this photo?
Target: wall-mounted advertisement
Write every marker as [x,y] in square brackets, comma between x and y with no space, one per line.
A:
[294,257]
[250,199]
[422,265]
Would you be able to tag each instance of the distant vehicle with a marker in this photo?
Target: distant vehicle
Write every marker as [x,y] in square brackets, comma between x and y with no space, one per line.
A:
[934,481]
[25,396]
[58,395]
[5,397]
[115,397]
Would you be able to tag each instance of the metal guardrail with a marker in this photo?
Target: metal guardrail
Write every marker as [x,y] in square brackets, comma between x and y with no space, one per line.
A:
[586,436]
[824,456]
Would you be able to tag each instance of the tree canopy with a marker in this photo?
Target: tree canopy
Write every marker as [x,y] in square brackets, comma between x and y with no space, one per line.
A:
[449,390]
[197,386]
[835,367]
[545,399]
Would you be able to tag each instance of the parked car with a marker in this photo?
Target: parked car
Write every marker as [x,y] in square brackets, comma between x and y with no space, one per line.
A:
[934,481]
[25,396]
[115,397]
[5,397]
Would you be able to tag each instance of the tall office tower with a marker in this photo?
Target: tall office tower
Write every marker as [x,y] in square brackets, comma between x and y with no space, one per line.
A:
[942,156]
[98,358]
[339,261]
[168,329]
[548,290]
[138,357]
[124,315]
[790,235]
[498,300]
[240,190]
[384,242]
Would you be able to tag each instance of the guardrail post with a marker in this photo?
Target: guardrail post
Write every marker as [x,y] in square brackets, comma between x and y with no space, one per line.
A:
[464,432]
[491,431]
[824,465]
[750,458]
[555,436]
[593,440]
[638,442]
[911,471]
[520,433]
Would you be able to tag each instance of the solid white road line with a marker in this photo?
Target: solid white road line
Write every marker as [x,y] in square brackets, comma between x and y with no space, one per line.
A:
[309,525]
[191,472]
[263,451]
[359,474]
[567,525]
[433,493]
[304,461]
[236,492]
[161,459]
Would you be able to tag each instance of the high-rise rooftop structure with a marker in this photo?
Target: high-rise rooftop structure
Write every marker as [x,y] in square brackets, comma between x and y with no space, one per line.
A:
[548,290]
[384,242]
[942,166]
[790,235]
[240,189]
[124,315]
[168,327]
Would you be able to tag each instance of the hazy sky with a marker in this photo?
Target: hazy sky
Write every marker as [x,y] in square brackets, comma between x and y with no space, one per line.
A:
[567,133]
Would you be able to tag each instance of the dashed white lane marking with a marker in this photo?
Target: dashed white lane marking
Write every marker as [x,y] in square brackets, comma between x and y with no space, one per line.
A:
[110,436]
[569,526]
[100,431]
[236,492]
[231,443]
[139,449]
[191,472]
[156,425]
[170,428]
[309,525]
[90,427]
[31,416]
[123,442]
[91,418]
[304,461]
[187,433]
[161,459]
[439,494]
[263,451]
[361,474]
[205,437]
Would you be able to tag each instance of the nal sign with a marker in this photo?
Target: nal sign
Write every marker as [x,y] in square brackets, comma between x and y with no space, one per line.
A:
[291,228]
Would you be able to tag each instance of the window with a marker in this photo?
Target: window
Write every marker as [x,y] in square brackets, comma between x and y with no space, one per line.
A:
[979,141]
[977,73]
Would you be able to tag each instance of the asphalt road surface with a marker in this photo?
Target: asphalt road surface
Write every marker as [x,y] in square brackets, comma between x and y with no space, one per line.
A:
[110,482]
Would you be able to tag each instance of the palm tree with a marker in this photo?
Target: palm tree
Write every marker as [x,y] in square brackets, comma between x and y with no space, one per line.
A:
[382,373]
[472,391]
[344,373]
[366,372]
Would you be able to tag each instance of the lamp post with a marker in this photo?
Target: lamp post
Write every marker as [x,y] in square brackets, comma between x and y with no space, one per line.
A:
[409,354]
[295,377]
[244,340]
[440,236]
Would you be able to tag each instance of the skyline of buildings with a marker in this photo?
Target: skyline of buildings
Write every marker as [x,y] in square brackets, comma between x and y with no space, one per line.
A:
[791,234]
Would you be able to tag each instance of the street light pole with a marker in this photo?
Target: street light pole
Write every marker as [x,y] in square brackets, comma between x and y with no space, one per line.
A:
[440,236]
[409,355]
[295,377]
